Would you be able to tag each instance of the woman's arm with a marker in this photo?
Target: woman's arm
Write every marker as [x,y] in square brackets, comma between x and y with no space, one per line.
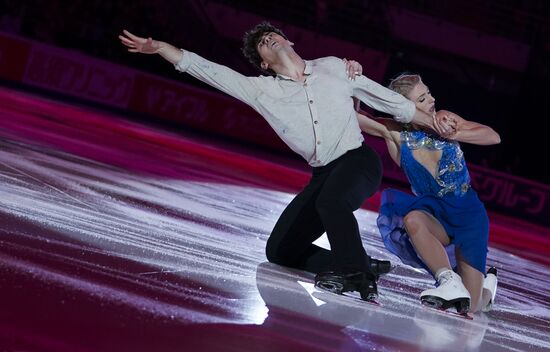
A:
[384,128]
[372,127]
[470,131]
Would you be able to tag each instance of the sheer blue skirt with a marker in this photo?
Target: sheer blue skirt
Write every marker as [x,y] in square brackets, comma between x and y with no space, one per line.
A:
[463,218]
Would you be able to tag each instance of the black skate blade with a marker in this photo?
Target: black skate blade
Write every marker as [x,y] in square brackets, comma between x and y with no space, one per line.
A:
[462,305]
[467,316]
[432,302]
[325,294]
[440,306]
[330,286]
[356,296]
[369,297]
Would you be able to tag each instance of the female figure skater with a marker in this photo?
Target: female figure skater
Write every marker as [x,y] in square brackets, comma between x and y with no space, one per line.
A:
[444,225]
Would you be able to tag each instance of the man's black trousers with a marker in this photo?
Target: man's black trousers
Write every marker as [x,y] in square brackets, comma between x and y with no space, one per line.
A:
[327,204]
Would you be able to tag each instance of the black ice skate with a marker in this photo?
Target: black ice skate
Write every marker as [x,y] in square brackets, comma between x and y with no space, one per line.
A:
[339,283]
[379,267]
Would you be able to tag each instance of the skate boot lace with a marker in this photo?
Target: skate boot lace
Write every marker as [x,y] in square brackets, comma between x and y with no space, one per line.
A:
[445,278]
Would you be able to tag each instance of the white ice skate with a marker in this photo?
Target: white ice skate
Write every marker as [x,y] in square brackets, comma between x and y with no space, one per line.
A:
[450,293]
[490,284]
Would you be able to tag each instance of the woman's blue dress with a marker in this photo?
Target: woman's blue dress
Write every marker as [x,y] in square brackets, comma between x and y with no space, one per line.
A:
[448,197]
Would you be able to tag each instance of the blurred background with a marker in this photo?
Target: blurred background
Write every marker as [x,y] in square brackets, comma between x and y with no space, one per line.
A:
[486,60]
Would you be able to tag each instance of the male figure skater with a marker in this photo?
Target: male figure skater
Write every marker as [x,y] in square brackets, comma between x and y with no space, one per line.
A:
[309,105]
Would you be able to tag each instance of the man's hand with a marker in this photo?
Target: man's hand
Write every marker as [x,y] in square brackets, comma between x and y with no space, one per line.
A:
[353,68]
[445,123]
[137,44]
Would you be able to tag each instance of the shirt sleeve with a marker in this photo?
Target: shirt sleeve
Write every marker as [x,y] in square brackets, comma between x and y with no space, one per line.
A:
[383,99]
[220,77]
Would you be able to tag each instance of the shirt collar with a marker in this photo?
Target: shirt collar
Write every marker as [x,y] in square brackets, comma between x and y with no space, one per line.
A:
[307,71]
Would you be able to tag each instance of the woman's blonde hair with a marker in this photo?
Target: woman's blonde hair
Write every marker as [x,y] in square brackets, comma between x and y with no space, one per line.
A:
[404,83]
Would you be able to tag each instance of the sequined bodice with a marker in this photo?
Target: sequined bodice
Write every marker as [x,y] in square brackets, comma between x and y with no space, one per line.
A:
[451,175]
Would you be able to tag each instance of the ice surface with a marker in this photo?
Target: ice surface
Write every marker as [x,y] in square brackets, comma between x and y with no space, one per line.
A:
[187,254]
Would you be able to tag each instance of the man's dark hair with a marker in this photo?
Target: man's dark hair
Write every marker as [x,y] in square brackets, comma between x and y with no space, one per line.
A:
[252,38]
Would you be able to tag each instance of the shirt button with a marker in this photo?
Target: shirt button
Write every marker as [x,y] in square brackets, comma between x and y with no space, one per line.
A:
[318,142]
[315,122]
[311,101]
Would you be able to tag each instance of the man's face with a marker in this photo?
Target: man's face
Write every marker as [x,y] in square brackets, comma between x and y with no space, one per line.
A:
[269,46]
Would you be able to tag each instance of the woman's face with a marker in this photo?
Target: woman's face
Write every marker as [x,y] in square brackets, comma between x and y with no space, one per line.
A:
[422,98]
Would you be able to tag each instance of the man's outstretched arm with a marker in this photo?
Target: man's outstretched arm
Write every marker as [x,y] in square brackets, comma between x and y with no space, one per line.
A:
[137,44]
[216,75]
[383,99]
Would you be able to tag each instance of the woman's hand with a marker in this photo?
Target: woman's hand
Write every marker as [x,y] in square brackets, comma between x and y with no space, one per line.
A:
[467,131]
[353,68]
[445,123]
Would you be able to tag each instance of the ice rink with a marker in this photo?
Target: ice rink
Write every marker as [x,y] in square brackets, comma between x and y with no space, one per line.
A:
[120,237]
